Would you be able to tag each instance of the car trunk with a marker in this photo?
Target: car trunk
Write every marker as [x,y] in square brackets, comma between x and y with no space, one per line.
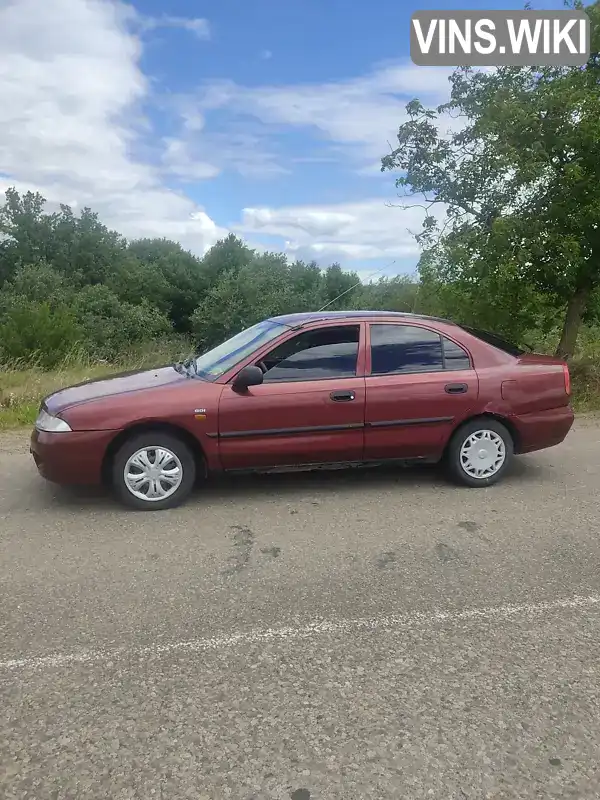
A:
[538,383]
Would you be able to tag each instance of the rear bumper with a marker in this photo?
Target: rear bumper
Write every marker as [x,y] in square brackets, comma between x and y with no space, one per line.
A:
[543,429]
[70,458]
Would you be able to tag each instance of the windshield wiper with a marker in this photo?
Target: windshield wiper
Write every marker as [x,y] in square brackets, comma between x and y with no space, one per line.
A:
[190,364]
[186,367]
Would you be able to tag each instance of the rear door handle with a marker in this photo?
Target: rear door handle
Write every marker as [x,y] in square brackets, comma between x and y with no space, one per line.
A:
[456,388]
[342,397]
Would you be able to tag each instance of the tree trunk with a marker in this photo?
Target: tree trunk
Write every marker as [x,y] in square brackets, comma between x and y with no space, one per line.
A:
[575,310]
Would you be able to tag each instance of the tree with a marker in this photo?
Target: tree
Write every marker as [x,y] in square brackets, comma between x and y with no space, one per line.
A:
[339,287]
[242,297]
[180,280]
[38,282]
[520,180]
[25,231]
[307,285]
[400,293]
[227,255]
[83,248]
[110,327]
[137,282]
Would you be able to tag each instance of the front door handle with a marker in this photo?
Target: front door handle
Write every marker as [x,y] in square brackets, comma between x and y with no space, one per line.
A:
[456,388]
[342,397]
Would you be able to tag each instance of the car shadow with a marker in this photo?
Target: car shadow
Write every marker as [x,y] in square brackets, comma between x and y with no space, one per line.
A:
[312,484]
[347,480]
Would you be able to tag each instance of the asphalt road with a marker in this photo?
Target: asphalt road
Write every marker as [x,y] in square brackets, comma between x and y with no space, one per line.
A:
[356,635]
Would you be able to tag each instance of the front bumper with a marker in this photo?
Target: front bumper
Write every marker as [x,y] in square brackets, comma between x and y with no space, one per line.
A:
[70,458]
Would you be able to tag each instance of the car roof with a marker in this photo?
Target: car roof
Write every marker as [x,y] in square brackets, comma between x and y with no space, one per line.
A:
[304,317]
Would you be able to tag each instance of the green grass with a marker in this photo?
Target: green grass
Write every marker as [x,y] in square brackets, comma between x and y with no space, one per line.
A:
[24,386]
[22,390]
[585,377]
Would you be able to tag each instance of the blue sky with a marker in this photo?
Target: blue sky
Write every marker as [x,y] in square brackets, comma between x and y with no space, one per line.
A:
[189,120]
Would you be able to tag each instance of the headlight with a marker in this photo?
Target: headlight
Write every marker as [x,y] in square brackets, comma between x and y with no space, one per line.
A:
[49,424]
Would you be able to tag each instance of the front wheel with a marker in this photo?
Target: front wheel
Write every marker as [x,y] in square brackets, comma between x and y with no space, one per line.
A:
[153,471]
[479,453]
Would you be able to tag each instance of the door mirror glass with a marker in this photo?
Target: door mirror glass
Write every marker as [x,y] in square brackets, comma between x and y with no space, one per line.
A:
[249,376]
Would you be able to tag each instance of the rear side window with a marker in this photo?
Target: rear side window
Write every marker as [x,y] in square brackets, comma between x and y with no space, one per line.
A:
[496,341]
[404,348]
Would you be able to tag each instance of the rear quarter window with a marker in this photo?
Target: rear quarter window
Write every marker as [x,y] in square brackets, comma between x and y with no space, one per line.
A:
[455,357]
[495,341]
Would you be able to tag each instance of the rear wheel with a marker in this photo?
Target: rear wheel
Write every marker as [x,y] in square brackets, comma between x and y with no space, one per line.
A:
[480,452]
[153,471]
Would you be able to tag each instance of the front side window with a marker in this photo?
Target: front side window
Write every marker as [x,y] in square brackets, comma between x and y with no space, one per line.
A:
[330,352]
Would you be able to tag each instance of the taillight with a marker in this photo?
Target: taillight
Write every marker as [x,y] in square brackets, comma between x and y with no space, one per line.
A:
[567,379]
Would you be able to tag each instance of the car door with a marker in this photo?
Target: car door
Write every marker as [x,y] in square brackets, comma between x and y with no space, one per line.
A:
[309,409]
[419,386]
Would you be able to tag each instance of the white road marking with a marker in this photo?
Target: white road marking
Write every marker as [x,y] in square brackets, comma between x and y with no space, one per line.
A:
[301,632]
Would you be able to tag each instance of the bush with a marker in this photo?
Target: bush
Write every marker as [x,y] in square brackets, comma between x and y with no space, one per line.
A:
[37,332]
[37,282]
[111,327]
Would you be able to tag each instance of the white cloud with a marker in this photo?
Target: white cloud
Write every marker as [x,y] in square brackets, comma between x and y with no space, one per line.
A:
[199,26]
[198,150]
[366,230]
[355,122]
[359,116]
[71,93]
[178,161]
[352,122]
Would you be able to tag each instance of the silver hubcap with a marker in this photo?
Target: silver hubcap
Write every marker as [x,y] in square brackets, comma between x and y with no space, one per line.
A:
[153,473]
[482,454]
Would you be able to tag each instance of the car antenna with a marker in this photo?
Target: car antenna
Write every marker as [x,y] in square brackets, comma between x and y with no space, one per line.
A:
[355,285]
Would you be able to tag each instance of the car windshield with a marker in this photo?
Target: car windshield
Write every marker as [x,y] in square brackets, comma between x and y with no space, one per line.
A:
[216,362]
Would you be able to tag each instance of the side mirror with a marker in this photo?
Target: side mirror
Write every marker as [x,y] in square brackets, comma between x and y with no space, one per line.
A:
[249,376]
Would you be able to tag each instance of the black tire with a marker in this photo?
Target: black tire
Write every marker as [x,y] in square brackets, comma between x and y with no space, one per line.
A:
[150,440]
[453,459]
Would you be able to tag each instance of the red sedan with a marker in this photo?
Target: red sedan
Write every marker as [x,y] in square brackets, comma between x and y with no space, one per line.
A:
[309,390]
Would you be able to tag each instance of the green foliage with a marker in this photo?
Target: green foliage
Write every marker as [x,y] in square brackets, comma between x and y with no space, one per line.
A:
[110,326]
[37,331]
[339,284]
[520,181]
[399,293]
[67,281]
[37,282]
[26,232]
[137,282]
[179,278]
[248,293]
[228,255]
